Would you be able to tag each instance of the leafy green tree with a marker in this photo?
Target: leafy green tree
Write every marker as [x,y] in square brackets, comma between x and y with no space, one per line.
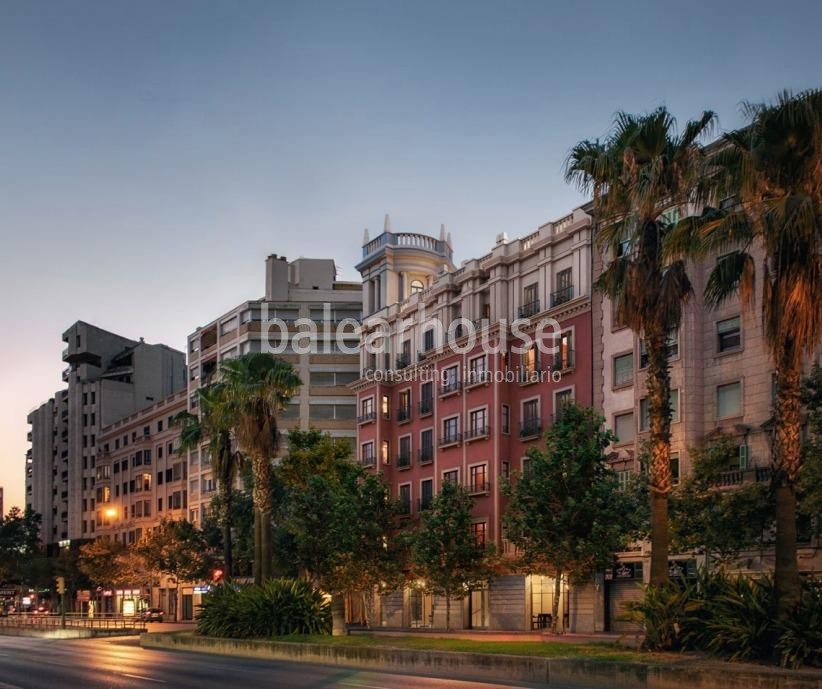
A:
[257,388]
[720,522]
[445,552]
[641,176]
[341,520]
[566,513]
[19,543]
[213,425]
[102,562]
[772,169]
[241,518]
[178,550]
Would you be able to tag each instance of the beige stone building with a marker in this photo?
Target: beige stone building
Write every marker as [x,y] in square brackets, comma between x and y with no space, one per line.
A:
[306,317]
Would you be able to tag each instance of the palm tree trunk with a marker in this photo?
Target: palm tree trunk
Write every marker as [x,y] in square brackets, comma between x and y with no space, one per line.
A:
[257,541]
[659,411]
[228,554]
[786,463]
[266,550]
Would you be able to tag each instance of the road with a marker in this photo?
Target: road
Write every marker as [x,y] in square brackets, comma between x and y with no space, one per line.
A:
[120,663]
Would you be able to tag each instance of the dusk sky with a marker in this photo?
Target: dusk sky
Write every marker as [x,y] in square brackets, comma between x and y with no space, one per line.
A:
[153,153]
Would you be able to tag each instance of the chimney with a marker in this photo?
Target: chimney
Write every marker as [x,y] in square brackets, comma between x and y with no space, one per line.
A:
[276,278]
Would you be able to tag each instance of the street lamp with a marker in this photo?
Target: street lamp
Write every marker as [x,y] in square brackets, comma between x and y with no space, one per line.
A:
[111,512]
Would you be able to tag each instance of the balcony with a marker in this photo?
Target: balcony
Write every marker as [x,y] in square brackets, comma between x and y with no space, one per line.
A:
[426,454]
[530,428]
[367,460]
[404,414]
[564,361]
[731,478]
[403,361]
[529,309]
[404,508]
[404,460]
[426,406]
[562,295]
[368,417]
[531,375]
[478,488]
[477,378]
[477,433]
[451,387]
[450,439]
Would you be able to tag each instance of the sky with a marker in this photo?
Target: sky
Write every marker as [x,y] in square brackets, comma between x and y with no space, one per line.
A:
[153,153]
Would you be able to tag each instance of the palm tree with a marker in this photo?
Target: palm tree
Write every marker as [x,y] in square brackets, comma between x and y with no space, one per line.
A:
[214,425]
[772,171]
[640,177]
[257,388]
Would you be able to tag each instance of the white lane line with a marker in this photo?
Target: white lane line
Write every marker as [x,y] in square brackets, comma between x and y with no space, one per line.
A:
[361,686]
[3,685]
[147,679]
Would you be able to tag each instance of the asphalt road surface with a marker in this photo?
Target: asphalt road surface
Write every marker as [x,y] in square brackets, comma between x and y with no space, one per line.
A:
[120,663]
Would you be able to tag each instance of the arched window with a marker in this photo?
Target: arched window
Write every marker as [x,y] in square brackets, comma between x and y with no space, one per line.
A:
[416,287]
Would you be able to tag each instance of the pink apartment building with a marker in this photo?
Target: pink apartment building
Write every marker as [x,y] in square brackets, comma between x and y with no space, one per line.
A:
[462,369]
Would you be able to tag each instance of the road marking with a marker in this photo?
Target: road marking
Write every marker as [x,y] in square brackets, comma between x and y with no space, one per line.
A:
[147,679]
[3,685]
[361,686]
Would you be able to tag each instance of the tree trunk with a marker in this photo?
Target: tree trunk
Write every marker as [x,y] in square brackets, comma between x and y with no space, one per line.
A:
[228,554]
[448,612]
[369,606]
[659,470]
[266,550]
[786,463]
[555,602]
[338,615]
[257,541]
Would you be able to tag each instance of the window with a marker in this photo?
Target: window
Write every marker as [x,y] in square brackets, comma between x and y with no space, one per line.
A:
[404,455]
[427,398]
[450,429]
[416,286]
[426,493]
[452,476]
[729,400]
[385,452]
[623,369]
[478,531]
[476,370]
[367,454]
[506,418]
[450,379]
[673,462]
[624,427]
[645,411]
[427,445]
[385,407]
[404,410]
[565,288]
[728,334]
[530,301]
[478,478]
[405,498]
[562,398]
[564,358]
[477,421]
[428,340]
[505,468]
[530,363]
[624,478]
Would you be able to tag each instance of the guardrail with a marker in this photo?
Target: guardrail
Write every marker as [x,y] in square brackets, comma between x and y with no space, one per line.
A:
[72,621]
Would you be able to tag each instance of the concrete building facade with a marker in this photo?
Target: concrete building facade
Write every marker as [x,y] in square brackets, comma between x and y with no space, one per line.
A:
[456,394]
[108,377]
[306,317]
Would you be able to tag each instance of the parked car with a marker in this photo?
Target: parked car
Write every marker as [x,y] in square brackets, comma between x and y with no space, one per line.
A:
[153,615]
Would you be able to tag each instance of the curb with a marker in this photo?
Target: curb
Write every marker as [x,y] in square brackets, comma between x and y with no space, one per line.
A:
[552,672]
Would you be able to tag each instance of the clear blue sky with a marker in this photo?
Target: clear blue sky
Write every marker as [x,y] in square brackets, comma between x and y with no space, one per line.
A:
[152,153]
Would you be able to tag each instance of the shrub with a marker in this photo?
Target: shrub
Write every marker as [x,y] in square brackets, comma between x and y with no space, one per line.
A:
[278,607]
[731,617]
